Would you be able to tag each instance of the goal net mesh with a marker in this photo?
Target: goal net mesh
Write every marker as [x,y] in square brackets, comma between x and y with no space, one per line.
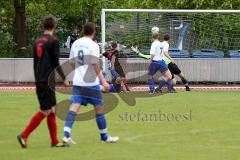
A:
[188,31]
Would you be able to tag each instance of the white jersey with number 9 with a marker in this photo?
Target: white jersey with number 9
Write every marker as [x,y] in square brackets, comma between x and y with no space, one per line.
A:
[84,73]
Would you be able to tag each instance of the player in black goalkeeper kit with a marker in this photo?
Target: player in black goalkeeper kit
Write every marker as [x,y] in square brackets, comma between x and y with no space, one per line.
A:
[46,59]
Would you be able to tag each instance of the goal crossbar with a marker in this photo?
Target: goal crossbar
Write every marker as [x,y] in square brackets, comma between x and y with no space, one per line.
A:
[171,10]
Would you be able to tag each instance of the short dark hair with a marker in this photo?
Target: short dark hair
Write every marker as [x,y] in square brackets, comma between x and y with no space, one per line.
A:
[114,45]
[49,22]
[89,28]
[166,37]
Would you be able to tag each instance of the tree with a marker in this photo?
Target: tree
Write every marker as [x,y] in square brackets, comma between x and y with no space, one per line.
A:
[21,19]
[20,25]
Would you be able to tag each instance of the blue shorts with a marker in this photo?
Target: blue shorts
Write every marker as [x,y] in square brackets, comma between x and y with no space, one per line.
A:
[86,95]
[112,89]
[156,66]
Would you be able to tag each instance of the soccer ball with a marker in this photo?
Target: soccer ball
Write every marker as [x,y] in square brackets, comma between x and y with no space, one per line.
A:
[155,29]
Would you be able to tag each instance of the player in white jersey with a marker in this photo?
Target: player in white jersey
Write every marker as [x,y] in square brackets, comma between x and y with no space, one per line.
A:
[86,83]
[158,64]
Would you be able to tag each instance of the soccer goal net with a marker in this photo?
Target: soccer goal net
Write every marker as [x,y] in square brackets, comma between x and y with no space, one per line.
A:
[188,29]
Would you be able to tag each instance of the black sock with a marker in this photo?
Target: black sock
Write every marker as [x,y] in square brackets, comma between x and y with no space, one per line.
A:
[185,82]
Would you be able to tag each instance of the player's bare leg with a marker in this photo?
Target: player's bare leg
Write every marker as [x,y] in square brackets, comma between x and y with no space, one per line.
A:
[124,80]
[124,89]
[168,79]
[120,81]
[174,81]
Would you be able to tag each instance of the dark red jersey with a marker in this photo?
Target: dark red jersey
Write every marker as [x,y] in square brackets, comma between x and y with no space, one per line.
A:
[117,65]
[46,51]
[110,54]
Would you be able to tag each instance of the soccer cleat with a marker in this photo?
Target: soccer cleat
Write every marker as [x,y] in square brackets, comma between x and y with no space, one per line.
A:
[172,91]
[157,90]
[22,141]
[60,144]
[110,140]
[68,141]
[151,92]
[188,88]
[127,88]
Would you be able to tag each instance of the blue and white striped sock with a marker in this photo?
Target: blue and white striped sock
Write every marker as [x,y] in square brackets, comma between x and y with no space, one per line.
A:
[69,123]
[151,85]
[170,84]
[102,126]
[161,83]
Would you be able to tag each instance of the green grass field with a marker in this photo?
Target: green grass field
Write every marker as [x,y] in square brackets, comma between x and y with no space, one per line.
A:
[212,133]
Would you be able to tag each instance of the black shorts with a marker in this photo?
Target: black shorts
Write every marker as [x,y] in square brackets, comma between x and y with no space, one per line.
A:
[120,71]
[174,69]
[46,96]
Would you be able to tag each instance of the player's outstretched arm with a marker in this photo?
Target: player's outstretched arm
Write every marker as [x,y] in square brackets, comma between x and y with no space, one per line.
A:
[101,77]
[144,56]
[135,50]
